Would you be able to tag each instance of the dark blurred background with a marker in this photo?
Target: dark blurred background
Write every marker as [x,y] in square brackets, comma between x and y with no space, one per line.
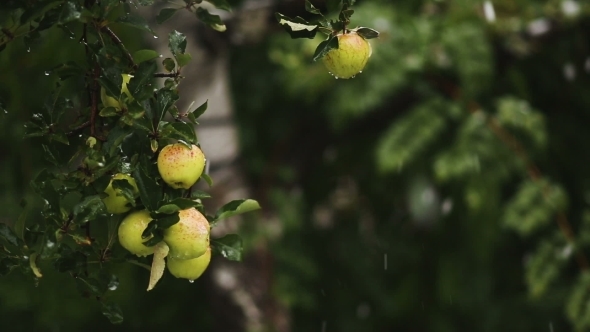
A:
[421,195]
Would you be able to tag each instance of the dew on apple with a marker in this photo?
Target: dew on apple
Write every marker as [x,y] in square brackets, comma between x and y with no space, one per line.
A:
[191,281]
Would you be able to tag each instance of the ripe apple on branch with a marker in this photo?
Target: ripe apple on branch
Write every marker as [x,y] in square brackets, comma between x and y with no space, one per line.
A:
[345,52]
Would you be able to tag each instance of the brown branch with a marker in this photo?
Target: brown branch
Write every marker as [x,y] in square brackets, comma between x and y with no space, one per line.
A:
[532,170]
[119,43]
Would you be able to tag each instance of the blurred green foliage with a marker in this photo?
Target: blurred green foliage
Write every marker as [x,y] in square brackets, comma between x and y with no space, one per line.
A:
[429,193]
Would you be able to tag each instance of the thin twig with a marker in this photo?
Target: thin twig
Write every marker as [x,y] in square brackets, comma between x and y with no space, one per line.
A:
[119,43]
[78,128]
[171,75]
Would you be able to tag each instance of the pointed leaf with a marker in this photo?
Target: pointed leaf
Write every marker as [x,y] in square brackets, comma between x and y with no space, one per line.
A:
[229,246]
[236,207]
[324,47]
[297,27]
[165,14]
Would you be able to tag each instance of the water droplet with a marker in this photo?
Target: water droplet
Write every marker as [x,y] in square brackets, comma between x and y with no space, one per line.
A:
[113,283]
[353,76]
[5,112]
[29,50]
[155,37]
[80,135]
[360,72]
[50,244]
[336,77]
[46,73]
[161,56]
[191,281]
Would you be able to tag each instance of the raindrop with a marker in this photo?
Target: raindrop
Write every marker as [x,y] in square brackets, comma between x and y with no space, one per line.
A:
[336,77]
[360,72]
[161,56]
[155,37]
[353,76]
[191,281]
[5,111]
[46,73]
[114,283]
[324,325]
[385,261]
[569,71]
[29,50]
[550,326]
[587,65]
[50,244]
[80,135]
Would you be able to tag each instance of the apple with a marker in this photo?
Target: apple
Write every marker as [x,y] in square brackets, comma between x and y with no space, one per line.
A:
[190,269]
[130,231]
[350,57]
[179,166]
[189,237]
[109,101]
[115,202]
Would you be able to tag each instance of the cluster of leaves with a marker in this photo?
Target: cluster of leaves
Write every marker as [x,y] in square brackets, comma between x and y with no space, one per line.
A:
[86,142]
[298,27]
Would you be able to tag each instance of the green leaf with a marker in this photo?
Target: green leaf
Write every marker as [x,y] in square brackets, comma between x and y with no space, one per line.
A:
[236,207]
[164,100]
[69,13]
[180,131]
[229,246]
[198,194]
[207,179]
[123,188]
[183,59]
[135,21]
[176,42]
[8,235]
[140,85]
[108,112]
[178,204]
[164,221]
[165,14]
[149,190]
[111,310]
[68,69]
[297,27]
[200,110]
[144,55]
[367,33]
[324,47]
[89,209]
[169,64]
[213,21]
[311,8]
[221,4]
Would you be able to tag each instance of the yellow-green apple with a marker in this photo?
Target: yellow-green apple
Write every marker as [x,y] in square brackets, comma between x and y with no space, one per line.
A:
[180,166]
[189,269]
[189,237]
[130,231]
[350,57]
[115,202]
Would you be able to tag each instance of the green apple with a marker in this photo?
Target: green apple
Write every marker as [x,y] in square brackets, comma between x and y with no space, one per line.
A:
[130,231]
[350,57]
[179,166]
[109,101]
[115,202]
[190,269]
[189,237]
